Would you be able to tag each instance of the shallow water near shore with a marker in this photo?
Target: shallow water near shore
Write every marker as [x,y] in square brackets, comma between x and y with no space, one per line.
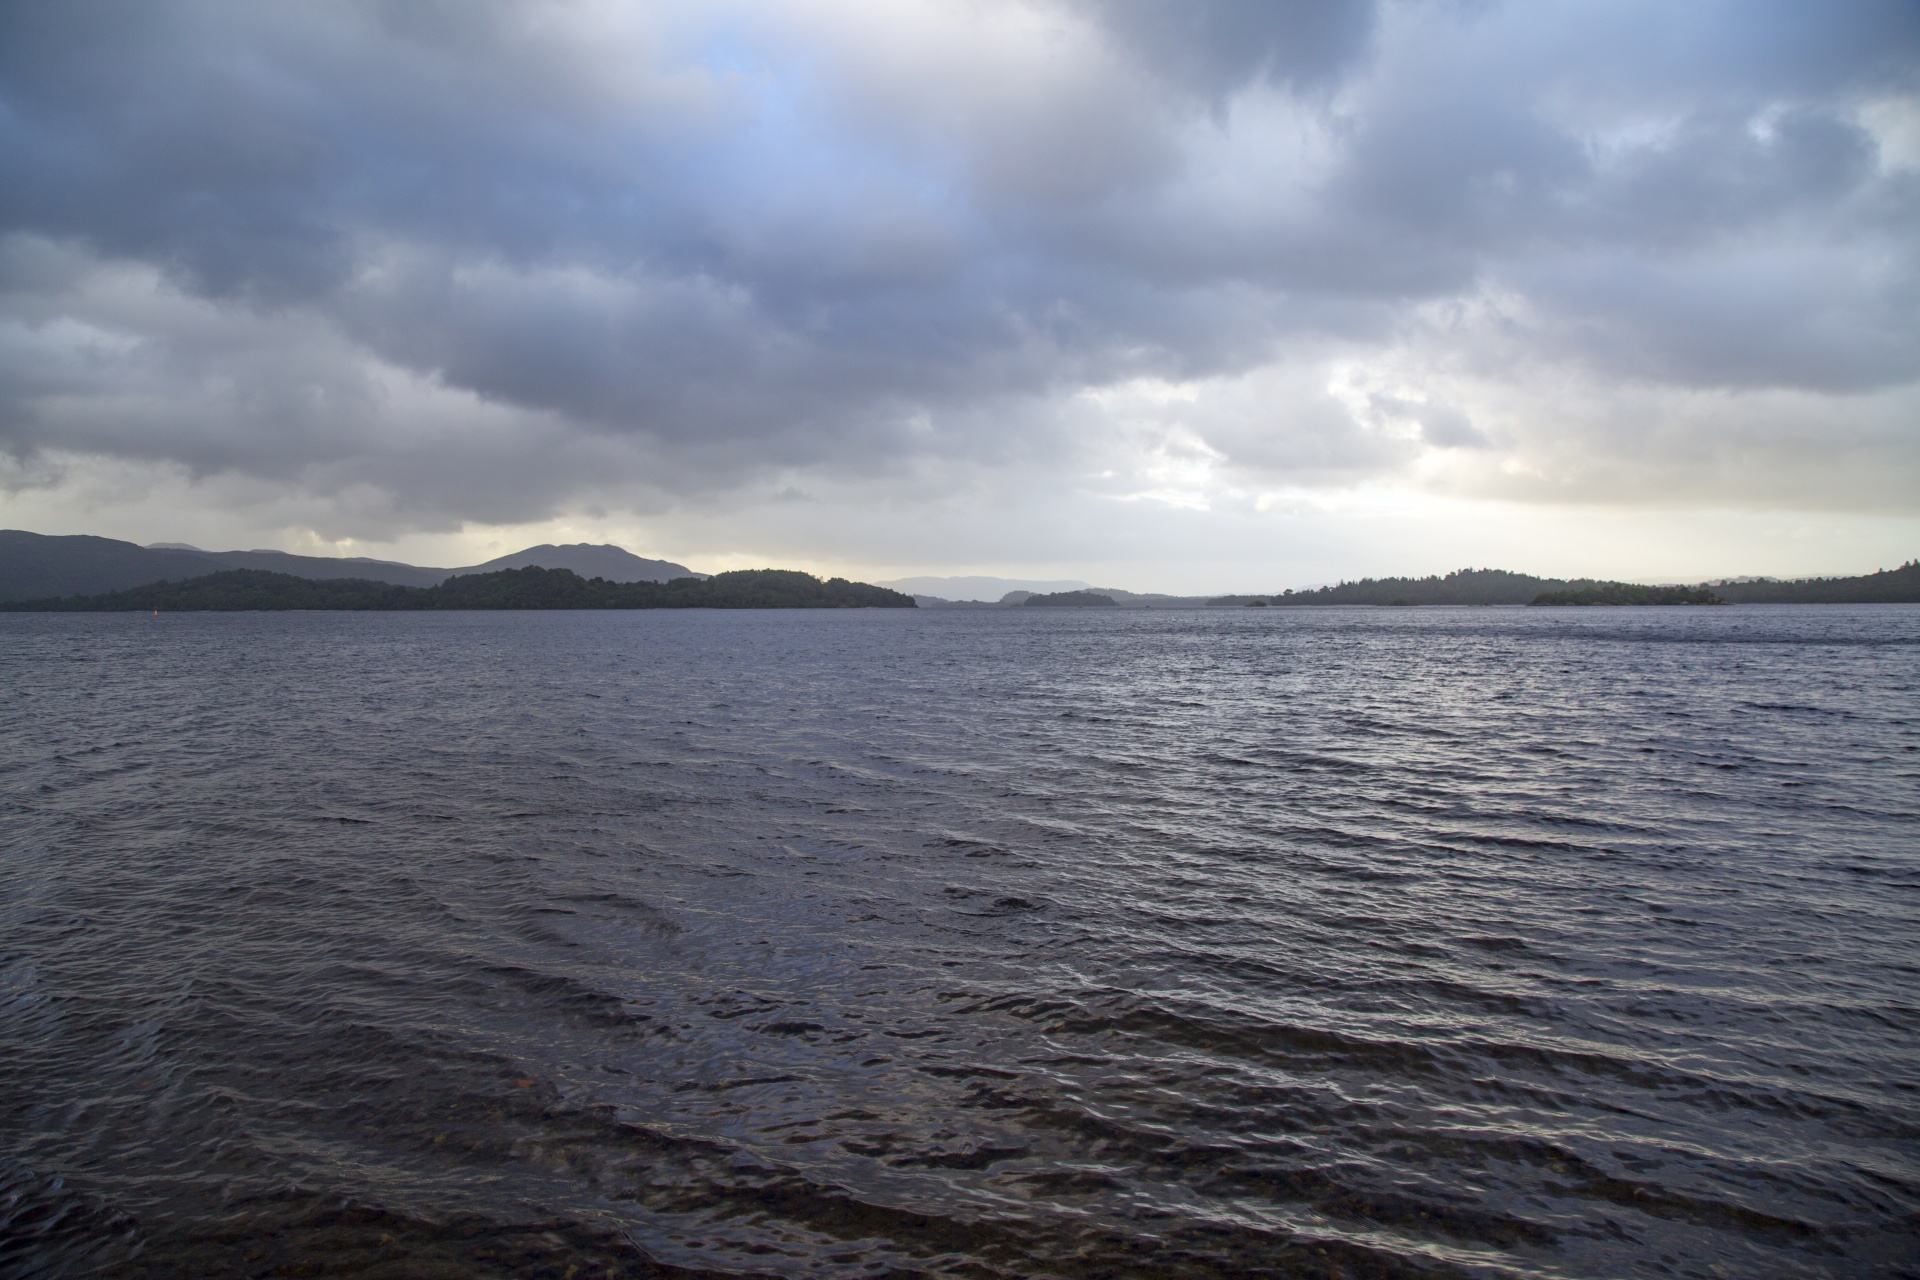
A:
[992,943]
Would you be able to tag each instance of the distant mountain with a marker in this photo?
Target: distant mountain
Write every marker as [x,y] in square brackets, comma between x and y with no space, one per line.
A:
[533,587]
[1149,598]
[36,566]
[589,561]
[320,568]
[1615,593]
[33,565]
[1889,586]
[1497,586]
[1462,586]
[985,592]
[1069,600]
[976,588]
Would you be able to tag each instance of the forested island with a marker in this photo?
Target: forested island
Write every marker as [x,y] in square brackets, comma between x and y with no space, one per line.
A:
[1070,600]
[42,573]
[1628,593]
[1498,586]
[529,588]
[1889,586]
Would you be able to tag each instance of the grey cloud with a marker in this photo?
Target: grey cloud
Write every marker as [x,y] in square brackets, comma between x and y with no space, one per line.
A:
[1447,427]
[583,254]
[1439,424]
[1218,47]
[1728,172]
[1819,318]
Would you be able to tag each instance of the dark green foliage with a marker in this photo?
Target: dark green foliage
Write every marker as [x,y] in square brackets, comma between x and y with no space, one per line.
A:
[235,589]
[1071,600]
[1497,586]
[771,589]
[1889,586]
[531,588]
[1462,586]
[35,565]
[1629,593]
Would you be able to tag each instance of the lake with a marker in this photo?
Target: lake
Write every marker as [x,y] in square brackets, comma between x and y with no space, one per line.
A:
[983,943]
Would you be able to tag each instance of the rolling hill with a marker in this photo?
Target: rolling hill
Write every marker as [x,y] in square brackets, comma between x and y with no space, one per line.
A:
[35,566]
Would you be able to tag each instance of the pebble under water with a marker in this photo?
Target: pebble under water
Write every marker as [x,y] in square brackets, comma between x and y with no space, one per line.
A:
[994,943]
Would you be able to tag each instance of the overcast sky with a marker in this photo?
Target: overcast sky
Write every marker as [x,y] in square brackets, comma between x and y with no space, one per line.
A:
[1162,295]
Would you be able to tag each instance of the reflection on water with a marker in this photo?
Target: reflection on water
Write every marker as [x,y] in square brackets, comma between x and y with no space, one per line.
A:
[997,943]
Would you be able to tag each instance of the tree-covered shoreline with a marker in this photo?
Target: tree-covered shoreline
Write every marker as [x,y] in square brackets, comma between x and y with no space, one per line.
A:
[538,588]
[1498,586]
[1069,600]
[1627,593]
[236,590]
[1889,586]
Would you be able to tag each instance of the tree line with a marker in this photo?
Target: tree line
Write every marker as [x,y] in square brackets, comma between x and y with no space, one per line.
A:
[529,588]
[1498,586]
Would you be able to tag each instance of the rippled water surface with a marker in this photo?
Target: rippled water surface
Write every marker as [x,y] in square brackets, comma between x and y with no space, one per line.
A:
[966,943]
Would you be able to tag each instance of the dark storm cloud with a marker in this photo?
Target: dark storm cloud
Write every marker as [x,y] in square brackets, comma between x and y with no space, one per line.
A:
[1218,47]
[491,255]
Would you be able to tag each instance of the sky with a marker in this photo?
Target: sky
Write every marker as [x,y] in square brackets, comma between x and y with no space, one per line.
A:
[1173,296]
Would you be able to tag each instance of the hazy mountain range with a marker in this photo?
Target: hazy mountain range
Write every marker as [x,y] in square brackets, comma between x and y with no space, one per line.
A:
[977,591]
[38,567]
[35,566]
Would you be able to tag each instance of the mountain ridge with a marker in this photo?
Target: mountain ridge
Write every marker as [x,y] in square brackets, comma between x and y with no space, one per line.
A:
[36,566]
[589,560]
[1501,586]
[531,587]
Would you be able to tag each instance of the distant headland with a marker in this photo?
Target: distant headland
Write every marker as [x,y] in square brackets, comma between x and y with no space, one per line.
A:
[234,590]
[78,572]
[1070,600]
[37,566]
[1498,586]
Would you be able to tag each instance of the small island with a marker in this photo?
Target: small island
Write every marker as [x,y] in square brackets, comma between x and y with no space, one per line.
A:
[1500,587]
[1070,600]
[1627,593]
[530,588]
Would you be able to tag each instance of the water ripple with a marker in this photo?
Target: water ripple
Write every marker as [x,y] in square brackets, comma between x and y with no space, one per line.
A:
[1173,943]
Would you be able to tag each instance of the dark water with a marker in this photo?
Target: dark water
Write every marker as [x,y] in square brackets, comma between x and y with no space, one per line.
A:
[1180,943]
